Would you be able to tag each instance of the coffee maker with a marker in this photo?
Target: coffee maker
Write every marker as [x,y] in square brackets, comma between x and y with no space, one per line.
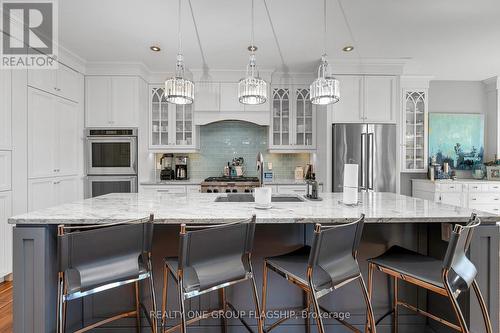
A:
[181,167]
[167,167]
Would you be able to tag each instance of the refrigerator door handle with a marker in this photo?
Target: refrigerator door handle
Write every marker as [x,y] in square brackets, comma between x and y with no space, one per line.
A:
[370,161]
[363,161]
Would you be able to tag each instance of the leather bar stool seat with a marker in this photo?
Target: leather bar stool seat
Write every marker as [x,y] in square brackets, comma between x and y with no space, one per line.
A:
[413,264]
[191,283]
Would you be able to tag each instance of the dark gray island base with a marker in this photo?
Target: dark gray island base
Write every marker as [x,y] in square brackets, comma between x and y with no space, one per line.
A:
[391,219]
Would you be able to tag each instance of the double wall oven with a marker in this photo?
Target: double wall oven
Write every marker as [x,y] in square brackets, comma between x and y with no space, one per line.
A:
[111,161]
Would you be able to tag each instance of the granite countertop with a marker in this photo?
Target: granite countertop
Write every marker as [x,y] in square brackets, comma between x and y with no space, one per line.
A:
[198,182]
[201,208]
[450,181]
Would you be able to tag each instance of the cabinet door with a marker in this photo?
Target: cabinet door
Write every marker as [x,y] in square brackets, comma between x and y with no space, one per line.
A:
[159,125]
[5,234]
[349,108]
[5,170]
[68,83]
[305,124]
[124,101]
[207,96]
[44,79]
[41,134]
[281,118]
[5,108]
[379,101]
[68,133]
[229,97]
[454,199]
[414,130]
[68,190]
[41,193]
[98,101]
[292,189]
[183,130]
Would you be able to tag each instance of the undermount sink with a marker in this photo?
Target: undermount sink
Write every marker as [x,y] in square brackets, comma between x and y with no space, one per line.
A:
[246,197]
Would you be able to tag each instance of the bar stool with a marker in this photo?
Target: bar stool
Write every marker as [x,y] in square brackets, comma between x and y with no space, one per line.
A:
[449,277]
[211,258]
[327,265]
[96,258]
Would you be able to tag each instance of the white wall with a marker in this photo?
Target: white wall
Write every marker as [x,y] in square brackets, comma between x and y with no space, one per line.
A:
[457,97]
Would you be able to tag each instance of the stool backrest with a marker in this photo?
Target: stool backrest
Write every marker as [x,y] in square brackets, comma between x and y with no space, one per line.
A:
[457,268]
[335,248]
[217,254]
[83,245]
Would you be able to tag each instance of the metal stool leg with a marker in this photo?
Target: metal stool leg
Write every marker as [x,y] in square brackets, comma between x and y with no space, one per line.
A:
[395,316]
[60,305]
[137,307]
[256,298]
[180,285]
[164,298]
[153,296]
[264,292]
[369,310]
[484,310]
[456,308]
[307,304]
[222,303]
[317,311]
[370,327]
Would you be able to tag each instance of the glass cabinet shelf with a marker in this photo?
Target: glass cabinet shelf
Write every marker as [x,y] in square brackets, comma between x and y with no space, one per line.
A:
[415,130]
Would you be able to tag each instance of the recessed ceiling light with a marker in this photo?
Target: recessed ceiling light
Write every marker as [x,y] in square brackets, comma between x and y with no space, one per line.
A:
[155,48]
[348,48]
[252,48]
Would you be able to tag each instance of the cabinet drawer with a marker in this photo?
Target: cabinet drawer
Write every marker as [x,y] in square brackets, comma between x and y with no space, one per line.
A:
[193,189]
[492,187]
[476,188]
[485,198]
[493,209]
[449,187]
[165,189]
[292,189]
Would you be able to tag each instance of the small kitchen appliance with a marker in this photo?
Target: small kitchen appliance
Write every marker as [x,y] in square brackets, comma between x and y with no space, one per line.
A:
[167,169]
[181,167]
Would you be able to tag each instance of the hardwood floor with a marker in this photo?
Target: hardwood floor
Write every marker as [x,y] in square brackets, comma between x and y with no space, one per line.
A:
[6,307]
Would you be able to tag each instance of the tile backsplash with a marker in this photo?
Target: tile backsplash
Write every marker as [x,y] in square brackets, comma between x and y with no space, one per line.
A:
[222,141]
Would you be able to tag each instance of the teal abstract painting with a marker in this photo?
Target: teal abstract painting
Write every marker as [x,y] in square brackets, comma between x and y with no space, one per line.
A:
[457,139]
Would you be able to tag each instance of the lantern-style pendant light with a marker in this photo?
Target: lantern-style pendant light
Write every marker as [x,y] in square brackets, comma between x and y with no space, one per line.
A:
[252,89]
[325,89]
[178,89]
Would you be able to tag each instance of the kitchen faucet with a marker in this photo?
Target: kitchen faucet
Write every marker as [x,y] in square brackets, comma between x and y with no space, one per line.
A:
[260,168]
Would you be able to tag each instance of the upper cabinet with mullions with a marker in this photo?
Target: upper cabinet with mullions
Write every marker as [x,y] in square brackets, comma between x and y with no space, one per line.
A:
[293,120]
[171,126]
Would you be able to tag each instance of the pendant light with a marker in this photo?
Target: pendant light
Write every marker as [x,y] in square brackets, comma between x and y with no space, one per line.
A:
[252,90]
[178,89]
[325,89]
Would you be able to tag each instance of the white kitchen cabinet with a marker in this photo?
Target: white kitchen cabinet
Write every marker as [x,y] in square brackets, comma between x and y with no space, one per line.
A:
[165,189]
[193,189]
[366,99]
[63,81]
[112,101]
[5,170]
[414,128]
[229,97]
[48,192]
[293,120]
[292,189]
[478,195]
[5,109]
[379,99]
[5,234]
[349,108]
[207,96]
[54,131]
[171,126]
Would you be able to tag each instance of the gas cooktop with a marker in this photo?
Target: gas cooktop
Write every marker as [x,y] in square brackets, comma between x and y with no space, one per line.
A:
[232,179]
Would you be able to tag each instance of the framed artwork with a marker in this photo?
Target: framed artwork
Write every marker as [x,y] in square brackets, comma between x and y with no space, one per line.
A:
[456,138]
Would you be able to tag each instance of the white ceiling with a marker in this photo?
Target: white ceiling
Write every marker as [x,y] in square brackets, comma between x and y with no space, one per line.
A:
[449,39]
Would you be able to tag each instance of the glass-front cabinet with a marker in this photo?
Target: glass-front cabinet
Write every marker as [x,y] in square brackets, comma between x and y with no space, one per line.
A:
[293,121]
[415,115]
[171,126]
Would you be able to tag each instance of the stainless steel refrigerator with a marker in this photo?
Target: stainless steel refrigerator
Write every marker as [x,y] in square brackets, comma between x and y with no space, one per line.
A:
[373,148]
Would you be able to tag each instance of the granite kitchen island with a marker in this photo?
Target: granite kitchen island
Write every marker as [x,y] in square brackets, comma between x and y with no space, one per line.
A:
[390,219]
